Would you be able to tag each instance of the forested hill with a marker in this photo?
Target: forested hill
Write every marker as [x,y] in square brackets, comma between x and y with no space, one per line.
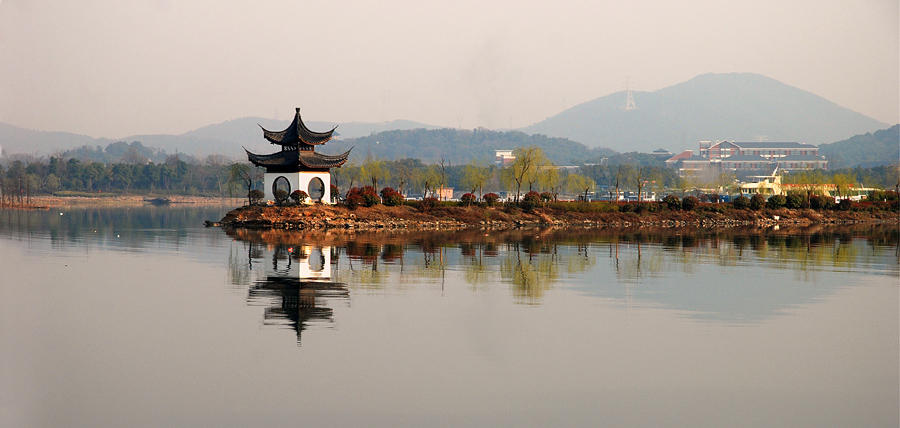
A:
[867,150]
[457,146]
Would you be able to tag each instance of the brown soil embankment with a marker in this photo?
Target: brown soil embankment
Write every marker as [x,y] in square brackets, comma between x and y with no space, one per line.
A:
[459,217]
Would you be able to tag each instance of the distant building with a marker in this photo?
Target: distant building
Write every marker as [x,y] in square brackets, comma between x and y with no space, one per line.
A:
[772,184]
[504,157]
[748,156]
[444,193]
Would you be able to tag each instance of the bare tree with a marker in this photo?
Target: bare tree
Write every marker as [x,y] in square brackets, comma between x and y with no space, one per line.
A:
[240,175]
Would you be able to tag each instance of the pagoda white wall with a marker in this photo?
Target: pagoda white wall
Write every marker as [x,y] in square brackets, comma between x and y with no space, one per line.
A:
[298,180]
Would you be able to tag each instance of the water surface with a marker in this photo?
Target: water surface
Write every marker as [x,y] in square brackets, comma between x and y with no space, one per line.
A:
[142,317]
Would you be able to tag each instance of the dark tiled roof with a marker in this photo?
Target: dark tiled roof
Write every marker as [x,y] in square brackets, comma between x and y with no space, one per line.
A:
[318,160]
[296,158]
[297,134]
[774,145]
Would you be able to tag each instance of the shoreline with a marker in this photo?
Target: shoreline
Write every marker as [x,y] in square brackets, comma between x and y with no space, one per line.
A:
[380,217]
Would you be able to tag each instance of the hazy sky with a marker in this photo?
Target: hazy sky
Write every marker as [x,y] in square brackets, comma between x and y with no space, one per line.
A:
[114,68]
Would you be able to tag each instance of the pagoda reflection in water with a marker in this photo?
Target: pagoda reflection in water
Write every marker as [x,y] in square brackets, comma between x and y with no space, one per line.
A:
[297,287]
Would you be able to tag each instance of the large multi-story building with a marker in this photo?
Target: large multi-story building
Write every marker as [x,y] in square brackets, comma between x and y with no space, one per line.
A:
[749,156]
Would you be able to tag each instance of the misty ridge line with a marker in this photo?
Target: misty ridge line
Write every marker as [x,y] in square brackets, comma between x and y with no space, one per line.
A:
[733,106]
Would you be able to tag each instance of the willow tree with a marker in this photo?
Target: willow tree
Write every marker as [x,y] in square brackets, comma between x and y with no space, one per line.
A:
[475,174]
[525,169]
[373,170]
[579,184]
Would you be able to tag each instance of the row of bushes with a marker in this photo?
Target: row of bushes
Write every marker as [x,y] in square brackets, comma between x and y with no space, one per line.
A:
[367,197]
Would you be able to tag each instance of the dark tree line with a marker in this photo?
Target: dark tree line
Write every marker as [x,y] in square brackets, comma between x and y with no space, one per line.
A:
[19,179]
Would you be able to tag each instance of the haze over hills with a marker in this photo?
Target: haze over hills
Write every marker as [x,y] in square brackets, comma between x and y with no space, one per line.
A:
[734,106]
[737,106]
[226,138]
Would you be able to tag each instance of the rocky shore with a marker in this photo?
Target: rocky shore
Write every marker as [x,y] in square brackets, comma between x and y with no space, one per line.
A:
[380,217]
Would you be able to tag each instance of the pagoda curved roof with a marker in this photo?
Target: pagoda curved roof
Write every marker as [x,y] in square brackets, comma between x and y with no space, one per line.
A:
[297,158]
[297,134]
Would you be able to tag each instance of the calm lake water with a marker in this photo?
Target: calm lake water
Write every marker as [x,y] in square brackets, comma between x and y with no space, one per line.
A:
[143,318]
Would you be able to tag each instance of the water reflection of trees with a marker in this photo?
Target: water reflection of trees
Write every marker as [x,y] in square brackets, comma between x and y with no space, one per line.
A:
[125,227]
[531,261]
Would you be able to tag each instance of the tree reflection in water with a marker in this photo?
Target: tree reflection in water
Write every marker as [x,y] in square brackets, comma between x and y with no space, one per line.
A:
[531,262]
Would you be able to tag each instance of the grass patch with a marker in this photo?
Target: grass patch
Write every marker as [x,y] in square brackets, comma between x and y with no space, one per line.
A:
[585,207]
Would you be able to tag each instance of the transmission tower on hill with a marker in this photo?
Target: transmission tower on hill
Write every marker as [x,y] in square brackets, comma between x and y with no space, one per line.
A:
[629,98]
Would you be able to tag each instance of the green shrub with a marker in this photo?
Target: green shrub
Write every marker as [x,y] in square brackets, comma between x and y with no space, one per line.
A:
[546,197]
[585,207]
[776,201]
[256,196]
[757,202]
[815,202]
[714,208]
[882,195]
[672,202]
[281,196]
[845,205]
[821,202]
[741,202]
[531,200]
[793,201]
[689,203]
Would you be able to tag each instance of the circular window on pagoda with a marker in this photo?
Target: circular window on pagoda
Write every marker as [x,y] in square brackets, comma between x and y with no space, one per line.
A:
[316,189]
[281,184]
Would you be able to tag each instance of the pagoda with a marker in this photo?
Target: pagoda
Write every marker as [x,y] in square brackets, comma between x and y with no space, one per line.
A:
[297,166]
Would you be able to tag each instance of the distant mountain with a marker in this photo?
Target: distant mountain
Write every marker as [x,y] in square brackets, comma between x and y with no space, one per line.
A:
[246,130]
[15,140]
[736,106]
[226,138]
[459,146]
[867,150]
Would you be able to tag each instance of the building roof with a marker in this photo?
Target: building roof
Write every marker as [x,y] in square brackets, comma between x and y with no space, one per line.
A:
[805,158]
[297,135]
[296,158]
[696,158]
[773,145]
[745,158]
[683,155]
